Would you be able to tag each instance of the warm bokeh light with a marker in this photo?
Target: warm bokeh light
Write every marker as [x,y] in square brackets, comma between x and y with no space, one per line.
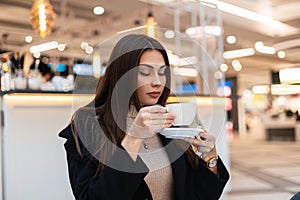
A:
[237,66]
[84,45]
[150,26]
[42,17]
[89,50]
[260,47]
[223,67]
[169,34]
[281,54]
[218,75]
[289,75]
[238,53]
[98,10]
[61,47]
[28,39]
[261,89]
[231,39]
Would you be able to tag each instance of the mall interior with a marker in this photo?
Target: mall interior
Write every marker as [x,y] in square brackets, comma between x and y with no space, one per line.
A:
[238,60]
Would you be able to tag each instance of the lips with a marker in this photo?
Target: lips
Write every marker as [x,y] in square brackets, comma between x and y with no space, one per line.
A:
[153,94]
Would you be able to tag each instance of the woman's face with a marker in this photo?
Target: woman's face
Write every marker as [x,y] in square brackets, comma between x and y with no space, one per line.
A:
[151,77]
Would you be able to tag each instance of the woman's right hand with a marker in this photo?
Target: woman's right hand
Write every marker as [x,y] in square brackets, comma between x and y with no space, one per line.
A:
[149,120]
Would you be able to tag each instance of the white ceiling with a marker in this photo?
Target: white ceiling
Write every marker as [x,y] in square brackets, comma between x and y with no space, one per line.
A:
[76,23]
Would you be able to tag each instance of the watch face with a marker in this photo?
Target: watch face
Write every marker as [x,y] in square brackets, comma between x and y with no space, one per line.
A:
[212,162]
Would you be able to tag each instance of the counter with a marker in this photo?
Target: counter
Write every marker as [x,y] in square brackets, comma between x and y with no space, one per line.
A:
[282,128]
[33,157]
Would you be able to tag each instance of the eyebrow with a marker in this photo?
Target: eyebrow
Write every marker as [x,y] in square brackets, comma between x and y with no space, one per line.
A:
[150,66]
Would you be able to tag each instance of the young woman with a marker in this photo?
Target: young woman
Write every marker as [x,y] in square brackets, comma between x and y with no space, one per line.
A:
[114,149]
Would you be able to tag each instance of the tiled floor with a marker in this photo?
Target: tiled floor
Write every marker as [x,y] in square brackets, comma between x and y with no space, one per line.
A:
[263,169]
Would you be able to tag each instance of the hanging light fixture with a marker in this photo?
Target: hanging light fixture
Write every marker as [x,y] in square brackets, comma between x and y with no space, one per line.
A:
[42,17]
[150,26]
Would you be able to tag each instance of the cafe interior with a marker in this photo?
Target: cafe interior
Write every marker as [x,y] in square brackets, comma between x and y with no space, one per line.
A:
[238,60]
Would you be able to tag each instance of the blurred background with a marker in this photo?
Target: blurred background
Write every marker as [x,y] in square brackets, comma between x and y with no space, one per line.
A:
[246,53]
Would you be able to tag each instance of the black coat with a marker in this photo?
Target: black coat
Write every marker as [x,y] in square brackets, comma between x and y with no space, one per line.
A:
[112,184]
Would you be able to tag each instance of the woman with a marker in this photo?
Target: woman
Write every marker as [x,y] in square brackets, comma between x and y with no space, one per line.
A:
[114,149]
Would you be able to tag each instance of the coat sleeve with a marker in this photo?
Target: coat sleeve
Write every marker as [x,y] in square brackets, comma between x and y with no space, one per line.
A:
[110,182]
[211,185]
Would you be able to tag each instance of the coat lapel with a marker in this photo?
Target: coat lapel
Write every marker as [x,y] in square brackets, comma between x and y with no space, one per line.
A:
[177,158]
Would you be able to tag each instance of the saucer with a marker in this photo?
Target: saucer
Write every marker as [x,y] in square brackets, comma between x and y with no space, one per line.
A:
[179,133]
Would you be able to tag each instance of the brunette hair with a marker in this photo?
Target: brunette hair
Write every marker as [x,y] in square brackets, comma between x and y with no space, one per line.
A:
[113,94]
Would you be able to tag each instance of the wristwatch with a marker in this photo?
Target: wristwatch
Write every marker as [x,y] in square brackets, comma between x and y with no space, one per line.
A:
[212,162]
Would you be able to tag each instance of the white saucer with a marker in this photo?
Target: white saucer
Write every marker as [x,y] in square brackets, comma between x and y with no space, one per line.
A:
[178,133]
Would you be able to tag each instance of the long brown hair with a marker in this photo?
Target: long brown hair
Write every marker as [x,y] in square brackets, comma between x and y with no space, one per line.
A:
[113,94]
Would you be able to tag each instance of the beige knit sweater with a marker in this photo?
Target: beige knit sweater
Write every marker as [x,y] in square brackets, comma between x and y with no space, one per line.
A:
[160,178]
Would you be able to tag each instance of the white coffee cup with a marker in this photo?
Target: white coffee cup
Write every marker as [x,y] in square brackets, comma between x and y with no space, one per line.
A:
[185,113]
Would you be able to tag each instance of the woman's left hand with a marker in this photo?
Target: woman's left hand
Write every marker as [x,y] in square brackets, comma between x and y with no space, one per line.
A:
[203,144]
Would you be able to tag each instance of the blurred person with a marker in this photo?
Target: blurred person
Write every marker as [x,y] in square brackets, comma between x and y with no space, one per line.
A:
[43,68]
[114,148]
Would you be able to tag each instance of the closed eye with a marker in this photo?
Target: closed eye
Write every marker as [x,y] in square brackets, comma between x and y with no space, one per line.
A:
[146,70]
[144,73]
[162,70]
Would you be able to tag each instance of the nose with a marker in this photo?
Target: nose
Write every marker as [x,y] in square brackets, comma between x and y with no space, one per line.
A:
[156,82]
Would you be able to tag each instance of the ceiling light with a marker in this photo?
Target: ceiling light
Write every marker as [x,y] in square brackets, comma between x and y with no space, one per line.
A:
[261,89]
[231,39]
[61,47]
[235,63]
[42,17]
[173,58]
[89,50]
[214,30]
[223,67]
[208,4]
[185,71]
[285,89]
[169,34]
[36,54]
[96,65]
[281,54]
[218,75]
[188,61]
[209,30]
[150,26]
[84,45]
[238,53]
[260,47]
[28,39]
[237,66]
[259,44]
[289,75]
[247,93]
[235,10]
[98,10]
[44,47]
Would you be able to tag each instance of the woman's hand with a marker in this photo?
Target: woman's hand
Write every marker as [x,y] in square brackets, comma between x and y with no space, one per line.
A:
[204,146]
[203,143]
[150,120]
